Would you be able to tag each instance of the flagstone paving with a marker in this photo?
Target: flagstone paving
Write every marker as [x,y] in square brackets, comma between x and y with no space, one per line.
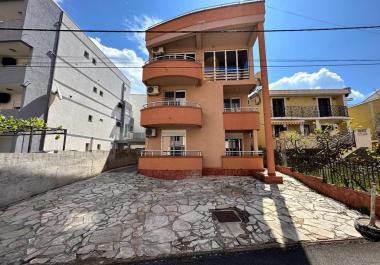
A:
[128,216]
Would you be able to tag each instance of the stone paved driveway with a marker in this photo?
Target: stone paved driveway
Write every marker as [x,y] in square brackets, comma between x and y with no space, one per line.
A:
[127,216]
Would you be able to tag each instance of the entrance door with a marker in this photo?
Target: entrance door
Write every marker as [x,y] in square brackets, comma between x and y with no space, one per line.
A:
[278,129]
[324,107]
[278,106]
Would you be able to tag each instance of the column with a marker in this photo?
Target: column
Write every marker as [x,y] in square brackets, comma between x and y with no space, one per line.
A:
[255,141]
[302,128]
[317,124]
[266,102]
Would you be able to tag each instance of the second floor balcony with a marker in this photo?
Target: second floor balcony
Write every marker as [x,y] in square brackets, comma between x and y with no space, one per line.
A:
[162,113]
[172,69]
[310,112]
[241,118]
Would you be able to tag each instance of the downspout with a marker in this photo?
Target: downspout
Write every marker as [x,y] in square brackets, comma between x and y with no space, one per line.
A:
[122,118]
[51,78]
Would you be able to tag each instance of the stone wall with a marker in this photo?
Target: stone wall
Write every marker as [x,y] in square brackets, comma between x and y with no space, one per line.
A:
[352,198]
[23,175]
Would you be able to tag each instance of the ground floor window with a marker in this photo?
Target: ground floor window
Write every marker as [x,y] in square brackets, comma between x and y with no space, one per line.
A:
[277,129]
[173,143]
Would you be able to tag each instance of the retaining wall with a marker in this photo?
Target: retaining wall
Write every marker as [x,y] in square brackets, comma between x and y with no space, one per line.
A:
[23,175]
[352,198]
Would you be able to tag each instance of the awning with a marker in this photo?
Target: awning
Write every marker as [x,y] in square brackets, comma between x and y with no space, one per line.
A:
[287,122]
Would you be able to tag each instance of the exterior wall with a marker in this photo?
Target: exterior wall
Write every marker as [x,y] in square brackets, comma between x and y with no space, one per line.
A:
[138,101]
[366,115]
[25,175]
[73,84]
[38,14]
[78,98]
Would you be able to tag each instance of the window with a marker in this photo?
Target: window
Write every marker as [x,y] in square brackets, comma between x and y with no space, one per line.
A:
[232,104]
[278,129]
[324,107]
[226,65]
[94,61]
[95,89]
[86,54]
[177,98]
[101,93]
[8,61]
[90,118]
[306,129]
[87,148]
[99,147]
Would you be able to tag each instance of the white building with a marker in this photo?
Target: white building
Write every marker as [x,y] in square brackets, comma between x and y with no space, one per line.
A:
[61,77]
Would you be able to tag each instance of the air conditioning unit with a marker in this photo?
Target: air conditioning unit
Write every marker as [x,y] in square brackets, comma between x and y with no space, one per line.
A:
[153,90]
[150,132]
[158,50]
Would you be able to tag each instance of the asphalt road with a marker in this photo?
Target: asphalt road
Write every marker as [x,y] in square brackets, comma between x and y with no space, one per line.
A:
[342,253]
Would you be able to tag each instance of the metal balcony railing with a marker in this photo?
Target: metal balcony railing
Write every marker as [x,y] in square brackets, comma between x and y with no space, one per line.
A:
[307,112]
[241,109]
[170,153]
[243,153]
[175,56]
[226,74]
[172,103]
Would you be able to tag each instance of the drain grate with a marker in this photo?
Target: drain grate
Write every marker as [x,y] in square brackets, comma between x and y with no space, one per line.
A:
[226,216]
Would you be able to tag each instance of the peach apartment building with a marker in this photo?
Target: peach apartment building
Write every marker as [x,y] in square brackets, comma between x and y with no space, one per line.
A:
[198,117]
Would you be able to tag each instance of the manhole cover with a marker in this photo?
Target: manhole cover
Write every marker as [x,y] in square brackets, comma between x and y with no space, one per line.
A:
[226,216]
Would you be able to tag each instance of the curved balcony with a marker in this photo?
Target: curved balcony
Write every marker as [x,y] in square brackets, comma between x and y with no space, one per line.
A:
[172,70]
[162,113]
[240,119]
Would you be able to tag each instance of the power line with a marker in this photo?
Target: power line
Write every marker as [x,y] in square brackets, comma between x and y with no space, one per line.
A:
[187,67]
[314,19]
[191,31]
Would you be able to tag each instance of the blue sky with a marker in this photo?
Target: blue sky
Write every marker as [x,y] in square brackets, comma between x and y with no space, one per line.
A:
[128,49]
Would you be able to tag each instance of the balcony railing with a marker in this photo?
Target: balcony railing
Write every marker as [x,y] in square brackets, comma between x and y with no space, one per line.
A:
[243,153]
[172,103]
[175,56]
[171,153]
[305,112]
[241,109]
[226,74]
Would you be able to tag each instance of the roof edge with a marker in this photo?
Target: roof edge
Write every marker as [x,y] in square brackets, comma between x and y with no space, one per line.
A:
[243,2]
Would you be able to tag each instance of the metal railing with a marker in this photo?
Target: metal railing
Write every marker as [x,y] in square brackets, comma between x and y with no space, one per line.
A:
[172,103]
[299,111]
[243,153]
[241,109]
[226,74]
[170,153]
[174,56]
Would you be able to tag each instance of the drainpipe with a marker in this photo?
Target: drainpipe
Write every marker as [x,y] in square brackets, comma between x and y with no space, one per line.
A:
[51,78]
[122,114]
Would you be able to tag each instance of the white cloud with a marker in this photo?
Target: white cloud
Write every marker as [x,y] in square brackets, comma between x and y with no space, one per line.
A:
[323,78]
[142,22]
[125,58]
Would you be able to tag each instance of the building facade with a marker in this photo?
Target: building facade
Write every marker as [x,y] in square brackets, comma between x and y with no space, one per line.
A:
[61,77]
[304,110]
[367,115]
[136,137]
[198,118]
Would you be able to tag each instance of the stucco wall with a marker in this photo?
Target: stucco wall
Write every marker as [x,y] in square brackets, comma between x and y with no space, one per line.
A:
[76,85]
[25,175]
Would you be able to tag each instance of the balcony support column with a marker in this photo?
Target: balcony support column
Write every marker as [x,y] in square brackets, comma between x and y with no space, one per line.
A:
[255,142]
[271,178]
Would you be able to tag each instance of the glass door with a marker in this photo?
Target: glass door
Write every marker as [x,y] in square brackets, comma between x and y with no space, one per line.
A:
[324,107]
[278,107]
[176,98]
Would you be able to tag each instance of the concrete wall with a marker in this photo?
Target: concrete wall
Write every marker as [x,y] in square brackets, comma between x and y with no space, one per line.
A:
[25,175]
[138,101]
